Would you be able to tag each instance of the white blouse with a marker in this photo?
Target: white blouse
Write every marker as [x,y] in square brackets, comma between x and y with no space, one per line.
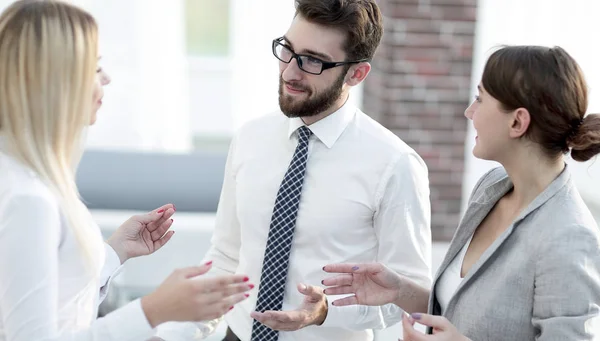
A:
[45,292]
[451,279]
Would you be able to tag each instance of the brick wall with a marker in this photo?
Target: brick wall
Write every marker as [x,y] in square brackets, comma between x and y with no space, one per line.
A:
[419,88]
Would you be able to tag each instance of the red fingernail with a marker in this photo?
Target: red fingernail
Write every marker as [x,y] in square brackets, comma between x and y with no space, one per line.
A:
[246,279]
[251,286]
[161,211]
[230,308]
[208,263]
[171,219]
[246,295]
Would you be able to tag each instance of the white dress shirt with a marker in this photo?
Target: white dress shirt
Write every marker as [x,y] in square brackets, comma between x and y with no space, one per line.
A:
[45,292]
[365,198]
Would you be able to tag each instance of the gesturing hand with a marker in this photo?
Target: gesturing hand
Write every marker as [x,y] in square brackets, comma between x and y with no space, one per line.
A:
[372,284]
[143,234]
[312,311]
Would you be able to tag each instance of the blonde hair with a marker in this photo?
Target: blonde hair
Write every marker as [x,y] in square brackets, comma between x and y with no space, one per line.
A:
[48,58]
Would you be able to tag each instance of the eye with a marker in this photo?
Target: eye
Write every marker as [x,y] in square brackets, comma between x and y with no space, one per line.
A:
[477,99]
[313,60]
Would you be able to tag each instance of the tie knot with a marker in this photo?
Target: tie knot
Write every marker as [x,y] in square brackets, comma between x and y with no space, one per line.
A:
[303,134]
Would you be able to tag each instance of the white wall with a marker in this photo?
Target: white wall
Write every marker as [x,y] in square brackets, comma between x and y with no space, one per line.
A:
[146,106]
[570,24]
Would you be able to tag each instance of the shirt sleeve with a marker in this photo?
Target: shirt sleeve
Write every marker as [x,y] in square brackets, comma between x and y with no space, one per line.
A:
[111,269]
[566,302]
[402,225]
[30,230]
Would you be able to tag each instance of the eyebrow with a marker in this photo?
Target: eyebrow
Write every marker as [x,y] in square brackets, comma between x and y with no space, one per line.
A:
[314,53]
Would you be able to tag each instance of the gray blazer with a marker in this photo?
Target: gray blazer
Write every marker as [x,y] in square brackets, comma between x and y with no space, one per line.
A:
[540,280]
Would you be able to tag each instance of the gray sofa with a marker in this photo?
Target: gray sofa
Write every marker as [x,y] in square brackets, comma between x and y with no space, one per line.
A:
[142,181]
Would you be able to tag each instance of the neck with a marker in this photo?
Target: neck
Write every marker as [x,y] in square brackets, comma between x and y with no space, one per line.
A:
[530,174]
[308,120]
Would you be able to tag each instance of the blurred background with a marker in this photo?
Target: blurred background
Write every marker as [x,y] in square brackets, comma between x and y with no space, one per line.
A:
[187,73]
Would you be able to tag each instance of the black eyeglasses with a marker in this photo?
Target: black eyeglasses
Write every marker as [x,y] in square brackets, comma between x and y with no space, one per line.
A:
[306,63]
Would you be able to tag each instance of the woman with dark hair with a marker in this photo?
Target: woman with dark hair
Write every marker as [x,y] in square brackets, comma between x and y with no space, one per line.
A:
[524,263]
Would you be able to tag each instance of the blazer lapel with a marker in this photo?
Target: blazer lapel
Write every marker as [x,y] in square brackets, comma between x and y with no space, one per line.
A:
[493,197]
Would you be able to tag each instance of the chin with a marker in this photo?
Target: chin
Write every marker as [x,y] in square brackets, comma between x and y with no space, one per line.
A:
[93,119]
[481,155]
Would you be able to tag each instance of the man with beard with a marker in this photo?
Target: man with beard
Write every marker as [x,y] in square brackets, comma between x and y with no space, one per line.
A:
[319,182]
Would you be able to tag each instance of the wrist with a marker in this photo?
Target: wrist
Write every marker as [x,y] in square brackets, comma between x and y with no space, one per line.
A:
[123,257]
[152,310]
[400,294]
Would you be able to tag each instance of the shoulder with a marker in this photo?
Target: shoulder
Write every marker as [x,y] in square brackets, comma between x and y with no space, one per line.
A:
[21,186]
[270,122]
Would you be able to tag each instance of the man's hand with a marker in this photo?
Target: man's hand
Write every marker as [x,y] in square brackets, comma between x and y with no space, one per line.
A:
[312,311]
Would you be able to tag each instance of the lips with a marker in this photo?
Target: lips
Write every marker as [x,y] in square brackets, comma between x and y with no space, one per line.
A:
[294,89]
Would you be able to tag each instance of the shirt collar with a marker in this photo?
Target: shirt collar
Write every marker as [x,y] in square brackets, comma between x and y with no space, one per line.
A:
[328,129]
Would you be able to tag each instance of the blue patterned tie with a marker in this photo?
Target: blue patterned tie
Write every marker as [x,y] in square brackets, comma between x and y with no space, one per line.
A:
[279,243]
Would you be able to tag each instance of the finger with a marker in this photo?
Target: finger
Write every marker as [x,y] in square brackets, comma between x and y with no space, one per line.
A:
[339,280]
[313,292]
[409,332]
[151,216]
[159,232]
[230,290]
[164,207]
[258,316]
[437,322]
[350,300]
[351,268]
[194,271]
[160,219]
[161,242]
[218,282]
[227,304]
[346,289]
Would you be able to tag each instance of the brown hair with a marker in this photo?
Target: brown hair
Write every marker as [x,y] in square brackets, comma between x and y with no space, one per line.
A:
[360,19]
[550,85]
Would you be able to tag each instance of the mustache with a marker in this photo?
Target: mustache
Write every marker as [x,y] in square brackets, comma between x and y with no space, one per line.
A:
[295,85]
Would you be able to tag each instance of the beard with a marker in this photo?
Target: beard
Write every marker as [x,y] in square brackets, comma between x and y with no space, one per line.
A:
[314,104]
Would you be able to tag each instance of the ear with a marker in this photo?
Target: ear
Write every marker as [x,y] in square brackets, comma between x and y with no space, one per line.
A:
[519,122]
[357,73]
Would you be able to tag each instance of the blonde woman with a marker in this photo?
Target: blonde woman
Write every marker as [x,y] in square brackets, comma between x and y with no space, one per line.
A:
[54,266]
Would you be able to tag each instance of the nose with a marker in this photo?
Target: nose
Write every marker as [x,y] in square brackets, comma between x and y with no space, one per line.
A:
[105,78]
[470,110]
[291,72]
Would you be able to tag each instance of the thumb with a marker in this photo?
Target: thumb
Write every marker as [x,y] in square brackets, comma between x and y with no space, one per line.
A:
[195,271]
[313,292]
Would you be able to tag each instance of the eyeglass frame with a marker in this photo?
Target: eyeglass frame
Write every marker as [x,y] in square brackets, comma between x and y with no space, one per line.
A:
[325,64]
